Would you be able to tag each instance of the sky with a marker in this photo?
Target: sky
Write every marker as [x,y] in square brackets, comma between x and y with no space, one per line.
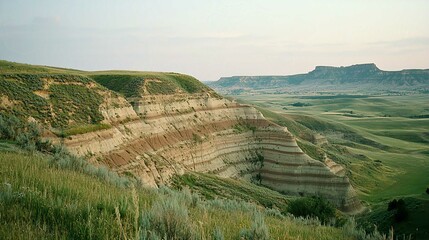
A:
[213,39]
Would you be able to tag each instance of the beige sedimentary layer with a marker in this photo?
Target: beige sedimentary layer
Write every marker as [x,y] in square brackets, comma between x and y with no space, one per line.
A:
[163,135]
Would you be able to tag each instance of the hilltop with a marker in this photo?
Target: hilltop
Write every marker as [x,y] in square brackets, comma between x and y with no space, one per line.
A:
[360,77]
[64,99]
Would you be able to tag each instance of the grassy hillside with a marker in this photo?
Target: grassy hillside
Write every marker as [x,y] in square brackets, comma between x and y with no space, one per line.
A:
[13,67]
[131,84]
[40,201]
[415,224]
[212,187]
[57,99]
[57,195]
[68,99]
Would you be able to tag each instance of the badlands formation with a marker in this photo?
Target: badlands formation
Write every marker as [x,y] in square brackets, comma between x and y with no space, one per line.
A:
[155,136]
[162,124]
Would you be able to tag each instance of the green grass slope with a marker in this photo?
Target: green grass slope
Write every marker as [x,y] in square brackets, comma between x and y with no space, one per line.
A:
[212,187]
[416,223]
[68,99]
[13,67]
[131,84]
[38,201]
[377,138]
[384,148]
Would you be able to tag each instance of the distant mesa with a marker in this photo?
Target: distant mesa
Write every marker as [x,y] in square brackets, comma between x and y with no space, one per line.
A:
[359,77]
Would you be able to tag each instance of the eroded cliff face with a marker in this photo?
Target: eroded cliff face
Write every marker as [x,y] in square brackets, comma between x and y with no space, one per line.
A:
[156,136]
[161,124]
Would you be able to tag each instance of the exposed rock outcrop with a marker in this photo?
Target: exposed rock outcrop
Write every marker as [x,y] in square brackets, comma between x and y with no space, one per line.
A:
[353,78]
[154,125]
[171,134]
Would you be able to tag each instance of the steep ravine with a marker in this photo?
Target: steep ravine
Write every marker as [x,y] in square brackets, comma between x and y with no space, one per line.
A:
[163,135]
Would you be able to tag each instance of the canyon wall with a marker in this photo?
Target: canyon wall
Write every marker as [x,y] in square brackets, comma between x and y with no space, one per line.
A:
[153,125]
[156,136]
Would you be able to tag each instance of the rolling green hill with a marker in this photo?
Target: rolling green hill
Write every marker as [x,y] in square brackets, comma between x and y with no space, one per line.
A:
[131,84]
[383,146]
[68,99]
[41,200]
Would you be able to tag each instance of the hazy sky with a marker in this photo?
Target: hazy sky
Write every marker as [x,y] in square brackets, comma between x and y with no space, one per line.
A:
[210,39]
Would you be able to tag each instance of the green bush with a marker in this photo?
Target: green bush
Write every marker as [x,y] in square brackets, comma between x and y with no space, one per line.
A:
[26,135]
[258,231]
[217,234]
[312,207]
[10,127]
[392,205]
[401,212]
[28,139]
[300,104]
[169,219]
[351,229]
[25,141]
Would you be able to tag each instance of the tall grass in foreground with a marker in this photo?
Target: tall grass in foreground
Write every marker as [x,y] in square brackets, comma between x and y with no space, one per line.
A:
[52,203]
[56,195]
[258,231]
[39,200]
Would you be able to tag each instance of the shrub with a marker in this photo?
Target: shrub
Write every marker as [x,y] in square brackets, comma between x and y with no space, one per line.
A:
[350,228]
[312,207]
[230,205]
[217,234]
[27,135]
[184,196]
[168,218]
[300,104]
[401,212]
[10,127]
[25,142]
[392,205]
[258,231]
[28,138]
[273,212]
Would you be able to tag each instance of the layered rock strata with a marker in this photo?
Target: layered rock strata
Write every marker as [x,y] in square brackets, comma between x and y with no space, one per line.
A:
[163,135]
